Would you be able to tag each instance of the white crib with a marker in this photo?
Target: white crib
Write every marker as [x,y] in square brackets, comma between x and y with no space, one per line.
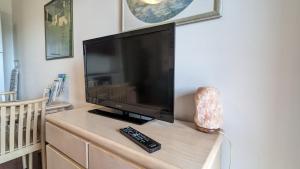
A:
[22,130]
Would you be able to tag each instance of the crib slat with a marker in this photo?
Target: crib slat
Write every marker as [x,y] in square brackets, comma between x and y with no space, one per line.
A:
[30,161]
[43,135]
[3,130]
[20,129]
[7,96]
[12,128]
[35,119]
[28,124]
[11,97]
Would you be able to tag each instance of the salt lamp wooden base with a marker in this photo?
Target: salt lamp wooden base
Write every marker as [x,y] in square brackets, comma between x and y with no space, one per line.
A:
[209,131]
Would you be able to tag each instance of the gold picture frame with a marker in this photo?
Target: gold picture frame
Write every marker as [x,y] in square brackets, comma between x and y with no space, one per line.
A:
[58,29]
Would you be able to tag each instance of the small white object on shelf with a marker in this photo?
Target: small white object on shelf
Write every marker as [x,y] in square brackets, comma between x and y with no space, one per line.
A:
[58,106]
[56,89]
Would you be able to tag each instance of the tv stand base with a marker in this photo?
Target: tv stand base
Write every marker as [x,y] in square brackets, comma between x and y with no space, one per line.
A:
[123,115]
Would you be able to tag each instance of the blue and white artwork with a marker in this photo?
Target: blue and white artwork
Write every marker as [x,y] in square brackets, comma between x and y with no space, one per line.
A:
[144,13]
[155,13]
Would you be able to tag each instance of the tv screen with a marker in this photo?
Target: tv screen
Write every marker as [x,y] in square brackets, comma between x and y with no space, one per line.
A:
[132,71]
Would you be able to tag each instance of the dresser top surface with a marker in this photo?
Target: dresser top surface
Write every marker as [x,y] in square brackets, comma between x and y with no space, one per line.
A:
[182,146]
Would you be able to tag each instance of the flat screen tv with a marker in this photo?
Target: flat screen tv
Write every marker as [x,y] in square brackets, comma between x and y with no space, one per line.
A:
[133,73]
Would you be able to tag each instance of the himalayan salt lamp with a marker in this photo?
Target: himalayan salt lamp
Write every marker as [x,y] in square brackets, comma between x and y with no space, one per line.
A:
[209,112]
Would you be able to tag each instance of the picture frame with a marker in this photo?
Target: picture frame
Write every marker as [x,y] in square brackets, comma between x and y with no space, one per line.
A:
[194,11]
[58,20]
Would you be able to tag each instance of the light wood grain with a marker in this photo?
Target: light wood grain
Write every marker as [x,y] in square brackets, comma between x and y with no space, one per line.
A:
[35,123]
[7,96]
[28,124]
[18,103]
[58,106]
[20,127]
[3,130]
[57,160]
[12,129]
[74,147]
[102,159]
[43,135]
[19,139]
[24,164]
[19,153]
[30,161]
[182,145]
[216,164]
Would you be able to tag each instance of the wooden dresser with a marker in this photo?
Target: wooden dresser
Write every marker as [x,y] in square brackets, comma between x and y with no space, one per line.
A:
[78,139]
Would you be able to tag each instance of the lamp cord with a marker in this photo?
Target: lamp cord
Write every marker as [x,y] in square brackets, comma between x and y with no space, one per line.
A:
[230,147]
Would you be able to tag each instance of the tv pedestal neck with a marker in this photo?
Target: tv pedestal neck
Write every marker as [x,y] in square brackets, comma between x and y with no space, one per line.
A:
[122,115]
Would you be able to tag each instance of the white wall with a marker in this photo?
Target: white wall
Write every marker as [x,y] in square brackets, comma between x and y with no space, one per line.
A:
[7,32]
[92,18]
[251,55]
[1,60]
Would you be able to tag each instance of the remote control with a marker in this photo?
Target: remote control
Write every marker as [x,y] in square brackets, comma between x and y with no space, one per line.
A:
[140,139]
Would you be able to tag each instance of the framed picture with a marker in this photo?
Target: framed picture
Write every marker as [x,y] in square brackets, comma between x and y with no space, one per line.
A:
[59,29]
[145,13]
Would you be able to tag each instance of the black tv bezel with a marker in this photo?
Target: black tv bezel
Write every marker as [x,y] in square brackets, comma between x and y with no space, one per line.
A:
[165,115]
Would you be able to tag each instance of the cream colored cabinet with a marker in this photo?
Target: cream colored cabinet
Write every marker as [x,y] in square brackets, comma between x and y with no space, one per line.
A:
[56,160]
[69,144]
[85,140]
[102,159]
[67,151]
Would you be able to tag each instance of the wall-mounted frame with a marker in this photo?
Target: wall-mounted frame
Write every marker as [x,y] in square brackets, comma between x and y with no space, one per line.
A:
[138,14]
[58,29]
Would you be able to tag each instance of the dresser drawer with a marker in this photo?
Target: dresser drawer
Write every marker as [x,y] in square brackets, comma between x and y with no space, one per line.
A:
[56,160]
[102,159]
[69,144]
